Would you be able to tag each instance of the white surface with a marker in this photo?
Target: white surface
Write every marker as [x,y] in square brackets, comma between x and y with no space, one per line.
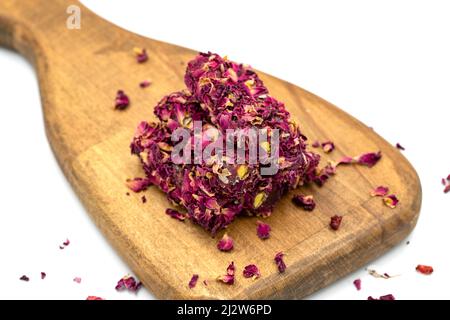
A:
[385,62]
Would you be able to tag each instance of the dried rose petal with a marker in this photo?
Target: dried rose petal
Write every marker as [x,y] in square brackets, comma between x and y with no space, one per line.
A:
[94,298]
[335,222]
[138,184]
[262,230]
[24,278]
[229,277]
[305,202]
[328,146]
[65,244]
[386,297]
[379,191]
[357,284]
[226,243]
[193,281]
[399,146]
[447,189]
[129,283]
[280,262]
[144,199]
[316,144]
[424,269]
[448,177]
[141,55]
[43,275]
[391,201]
[369,159]
[176,214]
[205,282]
[145,84]
[122,100]
[77,279]
[251,271]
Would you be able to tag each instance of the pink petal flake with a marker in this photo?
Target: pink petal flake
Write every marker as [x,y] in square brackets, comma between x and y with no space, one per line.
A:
[24,278]
[391,201]
[138,184]
[226,243]
[386,297]
[357,284]
[122,100]
[305,202]
[280,262]
[328,146]
[399,147]
[77,279]
[366,159]
[316,144]
[447,189]
[251,271]
[128,283]
[141,55]
[94,298]
[335,222]
[263,230]
[176,214]
[145,84]
[193,281]
[65,244]
[229,277]
[379,191]
[43,275]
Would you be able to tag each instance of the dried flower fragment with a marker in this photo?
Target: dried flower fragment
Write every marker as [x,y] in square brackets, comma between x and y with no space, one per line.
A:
[379,191]
[193,281]
[263,230]
[94,298]
[328,146]
[391,201]
[251,271]
[122,100]
[399,147]
[316,144]
[229,277]
[386,297]
[77,279]
[357,284]
[64,244]
[279,261]
[367,159]
[43,275]
[176,214]
[335,222]
[145,84]
[144,199]
[138,184]
[424,269]
[24,278]
[305,202]
[128,283]
[226,243]
[141,55]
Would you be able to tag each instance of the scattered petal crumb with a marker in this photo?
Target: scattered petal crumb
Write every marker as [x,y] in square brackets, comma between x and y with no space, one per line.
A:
[399,147]
[129,283]
[424,269]
[447,189]
[379,191]
[375,274]
[176,214]
[229,277]
[43,275]
[65,244]
[391,201]
[94,298]
[24,278]
[357,284]
[386,297]
[280,262]
[205,283]
[144,199]
[145,84]
[141,55]
[138,184]
[122,100]
[328,146]
[193,281]
[316,144]
[263,230]
[367,159]
[77,279]
[335,222]
[251,271]
[226,243]
[305,202]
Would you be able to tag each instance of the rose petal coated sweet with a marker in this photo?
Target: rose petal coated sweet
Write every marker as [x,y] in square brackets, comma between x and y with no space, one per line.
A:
[226,243]
[279,261]
[251,271]
[305,202]
[215,190]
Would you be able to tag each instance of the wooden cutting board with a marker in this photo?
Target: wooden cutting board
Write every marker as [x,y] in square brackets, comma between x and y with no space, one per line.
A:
[79,72]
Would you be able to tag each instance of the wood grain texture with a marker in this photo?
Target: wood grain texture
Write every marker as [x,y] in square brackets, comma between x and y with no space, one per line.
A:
[79,73]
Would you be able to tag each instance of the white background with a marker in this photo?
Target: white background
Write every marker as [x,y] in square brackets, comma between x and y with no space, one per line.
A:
[385,62]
